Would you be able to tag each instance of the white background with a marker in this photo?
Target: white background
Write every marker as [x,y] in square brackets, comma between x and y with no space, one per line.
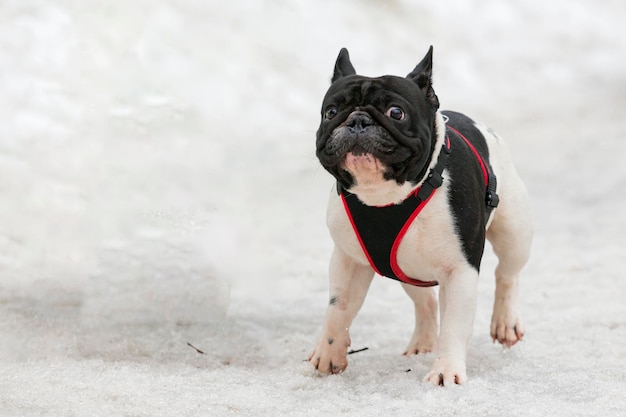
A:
[158,186]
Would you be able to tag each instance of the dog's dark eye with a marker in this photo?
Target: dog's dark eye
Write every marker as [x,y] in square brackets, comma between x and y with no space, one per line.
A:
[395,113]
[330,112]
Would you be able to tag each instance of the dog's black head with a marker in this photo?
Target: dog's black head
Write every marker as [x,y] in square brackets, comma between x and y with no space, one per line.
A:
[389,120]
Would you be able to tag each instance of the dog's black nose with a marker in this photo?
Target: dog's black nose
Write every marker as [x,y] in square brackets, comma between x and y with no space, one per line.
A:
[358,121]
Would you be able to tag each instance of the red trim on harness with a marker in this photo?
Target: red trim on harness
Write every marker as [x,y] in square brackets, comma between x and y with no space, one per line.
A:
[393,257]
[356,231]
[483,167]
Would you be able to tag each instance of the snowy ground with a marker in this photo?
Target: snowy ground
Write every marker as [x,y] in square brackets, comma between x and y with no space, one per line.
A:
[158,186]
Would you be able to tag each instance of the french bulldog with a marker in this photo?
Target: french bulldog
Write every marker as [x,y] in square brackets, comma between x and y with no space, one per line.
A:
[418,190]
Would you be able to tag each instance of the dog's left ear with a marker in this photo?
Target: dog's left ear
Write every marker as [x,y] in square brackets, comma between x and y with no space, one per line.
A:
[343,66]
[422,75]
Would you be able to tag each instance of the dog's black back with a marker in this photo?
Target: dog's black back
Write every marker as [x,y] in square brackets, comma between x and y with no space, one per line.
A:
[467,185]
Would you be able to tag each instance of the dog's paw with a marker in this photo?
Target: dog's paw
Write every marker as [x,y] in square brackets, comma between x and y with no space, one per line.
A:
[330,356]
[445,372]
[421,343]
[506,327]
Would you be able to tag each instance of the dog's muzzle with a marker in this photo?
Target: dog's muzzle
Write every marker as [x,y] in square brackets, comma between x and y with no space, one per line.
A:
[359,134]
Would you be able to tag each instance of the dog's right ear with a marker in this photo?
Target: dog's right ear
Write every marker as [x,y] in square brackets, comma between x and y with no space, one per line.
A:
[343,66]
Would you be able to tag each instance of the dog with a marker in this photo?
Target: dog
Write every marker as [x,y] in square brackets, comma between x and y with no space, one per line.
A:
[418,190]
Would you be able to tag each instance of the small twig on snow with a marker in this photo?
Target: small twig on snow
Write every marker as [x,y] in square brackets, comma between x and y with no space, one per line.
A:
[195,348]
[357,350]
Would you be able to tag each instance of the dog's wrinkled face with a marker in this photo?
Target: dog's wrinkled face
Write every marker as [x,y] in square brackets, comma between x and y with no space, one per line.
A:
[377,129]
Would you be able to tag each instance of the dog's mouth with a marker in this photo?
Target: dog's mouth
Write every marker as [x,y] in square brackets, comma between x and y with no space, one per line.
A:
[358,150]
[363,154]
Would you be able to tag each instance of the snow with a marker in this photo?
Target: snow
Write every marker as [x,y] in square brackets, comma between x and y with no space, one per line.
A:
[158,187]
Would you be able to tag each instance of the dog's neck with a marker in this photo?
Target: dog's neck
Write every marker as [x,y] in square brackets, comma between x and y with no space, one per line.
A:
[372,189]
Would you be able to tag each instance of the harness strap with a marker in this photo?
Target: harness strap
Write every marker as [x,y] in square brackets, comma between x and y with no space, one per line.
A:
[491,199]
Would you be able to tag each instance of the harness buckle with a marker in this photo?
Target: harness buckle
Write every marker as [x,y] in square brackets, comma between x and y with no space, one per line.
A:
[433,181]
[492,199]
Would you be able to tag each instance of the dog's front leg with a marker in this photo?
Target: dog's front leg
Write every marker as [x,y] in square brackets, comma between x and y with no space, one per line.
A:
[457,301]
[349,282]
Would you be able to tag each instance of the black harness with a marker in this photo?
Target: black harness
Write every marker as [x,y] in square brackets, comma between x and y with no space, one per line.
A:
[380,229]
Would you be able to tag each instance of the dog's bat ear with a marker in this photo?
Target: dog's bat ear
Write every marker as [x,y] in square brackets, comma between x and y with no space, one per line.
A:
[422,75]
[343,66]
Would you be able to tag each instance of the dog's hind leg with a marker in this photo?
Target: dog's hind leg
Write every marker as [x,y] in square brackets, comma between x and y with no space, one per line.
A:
[424,336]
[510,234]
